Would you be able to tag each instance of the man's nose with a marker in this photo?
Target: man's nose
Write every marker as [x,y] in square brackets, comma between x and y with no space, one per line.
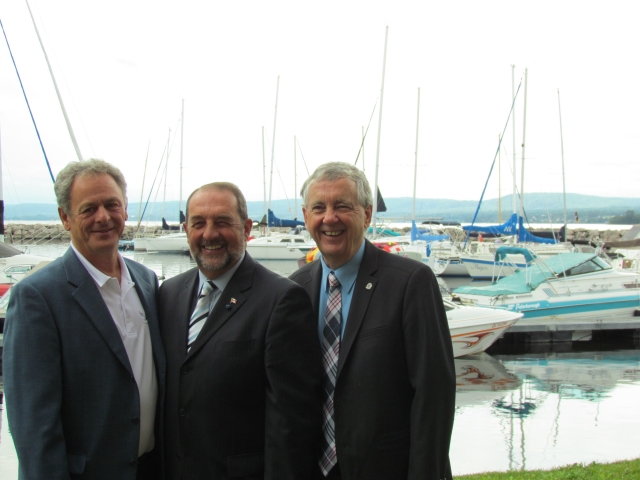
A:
[210,231]
[102,214]
[330,215]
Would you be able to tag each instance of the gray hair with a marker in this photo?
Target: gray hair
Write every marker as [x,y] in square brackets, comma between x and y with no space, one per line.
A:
[73,170]
[224,186]
[334,171]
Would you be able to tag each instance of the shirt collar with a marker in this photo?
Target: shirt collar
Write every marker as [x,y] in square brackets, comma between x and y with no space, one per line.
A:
[222,281]
[99,277]
[347,273]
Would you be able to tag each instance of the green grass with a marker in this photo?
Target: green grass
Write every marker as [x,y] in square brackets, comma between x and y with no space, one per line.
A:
[629,469]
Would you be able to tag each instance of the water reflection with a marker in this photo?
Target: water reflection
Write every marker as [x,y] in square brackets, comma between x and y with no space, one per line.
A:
[535,411]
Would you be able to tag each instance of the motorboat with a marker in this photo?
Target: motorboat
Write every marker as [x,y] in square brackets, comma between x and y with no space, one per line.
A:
[474,329]
[579,289]
[444,259]
[478,257]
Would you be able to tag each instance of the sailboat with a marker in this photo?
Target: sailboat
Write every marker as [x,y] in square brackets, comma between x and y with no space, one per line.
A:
[171,242]
[479,257]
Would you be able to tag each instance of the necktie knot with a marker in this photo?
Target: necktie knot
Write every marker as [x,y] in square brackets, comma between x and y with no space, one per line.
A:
[207,288]
[333,282]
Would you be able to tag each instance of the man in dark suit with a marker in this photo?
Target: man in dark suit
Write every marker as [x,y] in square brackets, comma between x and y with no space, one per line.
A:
[390,380]
[83,359]
[243,362]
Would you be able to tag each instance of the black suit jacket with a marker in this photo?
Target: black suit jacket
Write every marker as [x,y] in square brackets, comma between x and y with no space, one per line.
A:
[245,401]
[395,390]
[72,400]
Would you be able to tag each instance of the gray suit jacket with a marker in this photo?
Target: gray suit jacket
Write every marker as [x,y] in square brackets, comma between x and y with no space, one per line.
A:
[395,391]
[72,400]
[245,401]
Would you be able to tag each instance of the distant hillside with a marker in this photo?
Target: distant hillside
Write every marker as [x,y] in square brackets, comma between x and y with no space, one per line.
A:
[539,207]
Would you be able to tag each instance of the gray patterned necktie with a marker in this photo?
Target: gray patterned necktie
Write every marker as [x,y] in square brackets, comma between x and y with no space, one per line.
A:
[201,312]
[330,353]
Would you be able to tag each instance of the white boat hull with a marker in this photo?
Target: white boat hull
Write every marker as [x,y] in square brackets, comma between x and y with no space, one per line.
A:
[173,242]
[474,329]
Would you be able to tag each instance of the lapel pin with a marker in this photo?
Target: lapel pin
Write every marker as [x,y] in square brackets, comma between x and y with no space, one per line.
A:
[369,286]
[233,300]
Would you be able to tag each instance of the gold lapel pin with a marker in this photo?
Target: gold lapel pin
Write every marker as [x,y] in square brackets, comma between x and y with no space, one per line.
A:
[369,286]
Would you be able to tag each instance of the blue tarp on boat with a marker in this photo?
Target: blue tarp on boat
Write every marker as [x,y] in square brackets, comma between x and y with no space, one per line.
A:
[525,235]
[416,235]
[507,228]
[277,222]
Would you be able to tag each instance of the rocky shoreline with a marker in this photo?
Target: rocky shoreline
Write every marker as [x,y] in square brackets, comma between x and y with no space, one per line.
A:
[38,233]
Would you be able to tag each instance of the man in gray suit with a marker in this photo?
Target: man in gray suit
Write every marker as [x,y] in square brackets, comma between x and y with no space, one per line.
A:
[390,379]
[83,361]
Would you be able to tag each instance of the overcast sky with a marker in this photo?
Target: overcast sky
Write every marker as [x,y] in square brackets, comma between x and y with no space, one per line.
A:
[123,68]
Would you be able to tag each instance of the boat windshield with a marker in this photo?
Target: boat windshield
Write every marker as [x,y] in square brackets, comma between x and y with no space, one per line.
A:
[594,265]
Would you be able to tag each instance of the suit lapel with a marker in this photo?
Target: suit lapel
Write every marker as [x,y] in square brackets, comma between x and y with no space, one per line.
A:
[90,300]
[312,284]
[227,305]
[185,304]
[362,293]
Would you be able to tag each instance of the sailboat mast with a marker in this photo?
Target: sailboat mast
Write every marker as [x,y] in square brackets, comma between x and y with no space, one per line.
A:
[144,175]
[362,129]
[375,186]
[499,181]
[295,185]
[564,189]
[415,166]
[273,143]
[181,150]
[264,178]
[166,164]
[524,129]
[513,136]
[55,86]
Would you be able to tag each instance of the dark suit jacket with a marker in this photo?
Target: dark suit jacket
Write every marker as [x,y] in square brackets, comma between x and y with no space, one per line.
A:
[72,401]
[395,391]
[245,401]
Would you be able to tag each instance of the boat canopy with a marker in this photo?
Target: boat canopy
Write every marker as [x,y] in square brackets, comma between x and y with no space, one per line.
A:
[277,222]
[416,235]
[527,280]
[502,253]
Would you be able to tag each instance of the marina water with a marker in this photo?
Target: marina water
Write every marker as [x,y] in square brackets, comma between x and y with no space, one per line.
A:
[527,409]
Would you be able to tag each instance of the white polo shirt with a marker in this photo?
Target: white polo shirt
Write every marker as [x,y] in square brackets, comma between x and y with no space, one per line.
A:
[129,317]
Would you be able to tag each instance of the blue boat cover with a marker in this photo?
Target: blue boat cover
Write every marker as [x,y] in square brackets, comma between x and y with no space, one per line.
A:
[525,235]
[416,235]
[276,222]
[525,281]
[507,228]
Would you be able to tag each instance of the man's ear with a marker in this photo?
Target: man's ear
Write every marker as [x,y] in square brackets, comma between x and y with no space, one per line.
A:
[65,219]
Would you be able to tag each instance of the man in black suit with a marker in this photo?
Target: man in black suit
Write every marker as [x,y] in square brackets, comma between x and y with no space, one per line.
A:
[83,360]
[390,380]
[243,361]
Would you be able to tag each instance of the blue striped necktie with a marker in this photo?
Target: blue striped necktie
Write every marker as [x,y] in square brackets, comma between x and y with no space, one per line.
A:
[330,352]
[201,312]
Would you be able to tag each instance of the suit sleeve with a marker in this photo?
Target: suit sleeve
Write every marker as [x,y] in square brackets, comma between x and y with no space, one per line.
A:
[431,371]
[293,413]
[33,385]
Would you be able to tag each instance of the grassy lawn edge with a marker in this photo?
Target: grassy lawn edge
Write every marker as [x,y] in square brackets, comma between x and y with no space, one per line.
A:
[616,470]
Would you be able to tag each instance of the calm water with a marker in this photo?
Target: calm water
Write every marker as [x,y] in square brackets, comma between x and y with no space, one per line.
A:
[513,411]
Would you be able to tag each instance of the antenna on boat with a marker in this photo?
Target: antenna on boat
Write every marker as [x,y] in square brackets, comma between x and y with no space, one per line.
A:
[524,130]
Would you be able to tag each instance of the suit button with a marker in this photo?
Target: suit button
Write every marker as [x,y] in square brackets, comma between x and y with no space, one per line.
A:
[135,420]
[132,378]
[133,462]
[182,412]
[184,369]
